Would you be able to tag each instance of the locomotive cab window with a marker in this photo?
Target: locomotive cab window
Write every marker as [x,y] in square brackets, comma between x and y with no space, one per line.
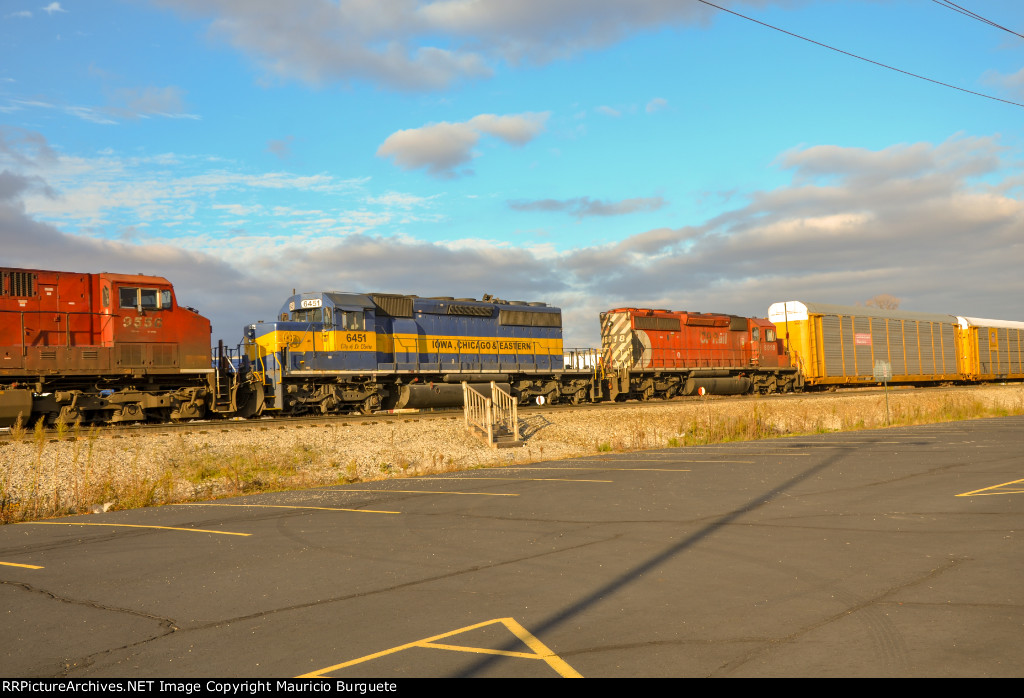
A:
[769,335]
[144,298]
[351,320]
[308,315]
[755,334]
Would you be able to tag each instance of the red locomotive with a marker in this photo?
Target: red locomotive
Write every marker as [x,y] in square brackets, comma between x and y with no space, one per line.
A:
[660,353]
[101,348]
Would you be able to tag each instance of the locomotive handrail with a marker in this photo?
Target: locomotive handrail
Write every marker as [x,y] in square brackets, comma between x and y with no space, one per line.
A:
[506,410]
[66,330]
[404,345]
[491,415]
[477,411]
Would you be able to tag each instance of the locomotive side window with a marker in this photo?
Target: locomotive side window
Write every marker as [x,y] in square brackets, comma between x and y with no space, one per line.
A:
[755,334]
[351,320]
[769,335]
[144,298]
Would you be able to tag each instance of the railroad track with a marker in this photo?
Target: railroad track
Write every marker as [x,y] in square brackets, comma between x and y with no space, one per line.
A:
[316,421]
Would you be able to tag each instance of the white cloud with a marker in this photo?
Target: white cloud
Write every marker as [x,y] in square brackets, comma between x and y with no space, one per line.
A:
[933,224]
[428,44]
[134,103]
[53,8]
[518,129]
[582,207]
[1013,83]
[443,148]
[918,221]
[127,103]
[282,147]
[657,104]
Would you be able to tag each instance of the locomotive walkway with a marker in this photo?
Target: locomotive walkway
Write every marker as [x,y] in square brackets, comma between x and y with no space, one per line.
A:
[892,552]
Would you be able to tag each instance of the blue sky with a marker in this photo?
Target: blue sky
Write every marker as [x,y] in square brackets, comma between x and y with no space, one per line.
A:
[586,153]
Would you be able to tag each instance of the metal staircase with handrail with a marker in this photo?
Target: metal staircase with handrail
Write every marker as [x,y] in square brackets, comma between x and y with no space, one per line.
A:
[493,419]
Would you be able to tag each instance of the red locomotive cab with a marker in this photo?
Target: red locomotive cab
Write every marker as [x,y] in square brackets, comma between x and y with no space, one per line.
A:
[147,327]
[765,347]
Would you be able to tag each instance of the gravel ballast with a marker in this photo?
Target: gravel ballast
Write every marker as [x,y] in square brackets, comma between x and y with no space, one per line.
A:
[43,475]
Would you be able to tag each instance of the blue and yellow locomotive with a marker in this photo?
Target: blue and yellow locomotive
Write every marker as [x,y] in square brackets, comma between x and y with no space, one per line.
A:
[333,352]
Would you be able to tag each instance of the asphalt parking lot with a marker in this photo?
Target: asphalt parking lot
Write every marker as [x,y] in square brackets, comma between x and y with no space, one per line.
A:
[893,552]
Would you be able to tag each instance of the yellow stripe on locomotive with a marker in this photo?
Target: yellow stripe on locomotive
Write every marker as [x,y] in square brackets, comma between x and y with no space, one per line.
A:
[329,332]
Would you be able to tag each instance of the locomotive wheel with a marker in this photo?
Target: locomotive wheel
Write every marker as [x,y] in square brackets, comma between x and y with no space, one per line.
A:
[370,405]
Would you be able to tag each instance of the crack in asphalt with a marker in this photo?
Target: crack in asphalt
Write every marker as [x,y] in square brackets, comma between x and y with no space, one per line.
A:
[884,635]
[168,624]
[174,628]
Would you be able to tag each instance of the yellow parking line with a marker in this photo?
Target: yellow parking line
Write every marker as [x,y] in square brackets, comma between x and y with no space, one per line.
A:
[745,452]
[570,467]
[478,650]
[481,494]
[286,506]
[538,649]
[165,528]
[517,479]
[661,460]
[17,564]
[984,491]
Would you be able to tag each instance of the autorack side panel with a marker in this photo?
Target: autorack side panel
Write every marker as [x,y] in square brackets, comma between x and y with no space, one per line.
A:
[836,345]
[990,349]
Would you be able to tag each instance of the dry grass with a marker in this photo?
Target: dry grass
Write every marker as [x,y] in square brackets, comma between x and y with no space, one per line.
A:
[64,472]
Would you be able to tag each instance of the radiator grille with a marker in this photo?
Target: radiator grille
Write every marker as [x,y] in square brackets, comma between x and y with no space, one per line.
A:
[664,324]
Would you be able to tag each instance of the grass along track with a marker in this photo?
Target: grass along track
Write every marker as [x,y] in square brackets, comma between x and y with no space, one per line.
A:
[71,470]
